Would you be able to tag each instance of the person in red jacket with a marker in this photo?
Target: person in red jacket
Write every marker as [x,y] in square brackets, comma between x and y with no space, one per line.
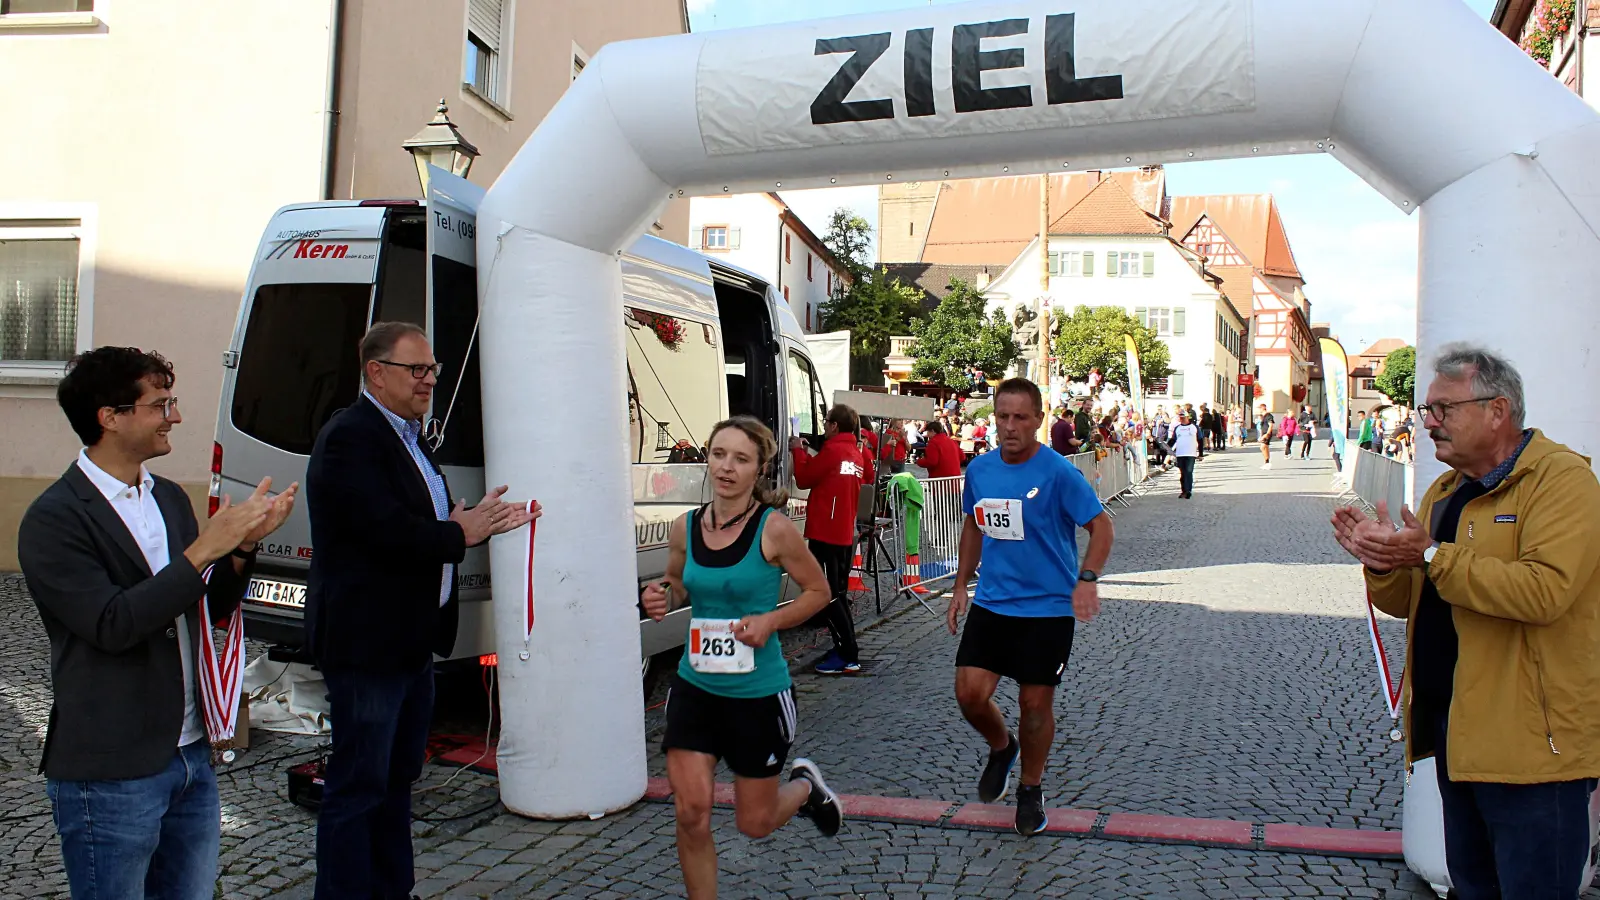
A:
[942,458]
[834,478]
[893,452]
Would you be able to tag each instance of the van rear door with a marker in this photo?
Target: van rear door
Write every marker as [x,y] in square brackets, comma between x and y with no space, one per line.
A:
[290,366]
[457,416]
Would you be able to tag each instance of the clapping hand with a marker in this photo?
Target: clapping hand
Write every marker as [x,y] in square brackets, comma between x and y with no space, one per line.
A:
[278,509]
[1376,542]
[232,525]
[492,516]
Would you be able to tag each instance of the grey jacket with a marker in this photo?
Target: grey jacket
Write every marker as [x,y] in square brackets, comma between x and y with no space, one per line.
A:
[114,663]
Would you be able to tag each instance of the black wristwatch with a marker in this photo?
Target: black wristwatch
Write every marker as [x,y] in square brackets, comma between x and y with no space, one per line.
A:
[240,554]
[1089,575]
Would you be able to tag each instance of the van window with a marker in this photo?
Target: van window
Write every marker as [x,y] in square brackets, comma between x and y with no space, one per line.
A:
[807,410]
[298,364]
[455,315]
[402,271]
[675,370]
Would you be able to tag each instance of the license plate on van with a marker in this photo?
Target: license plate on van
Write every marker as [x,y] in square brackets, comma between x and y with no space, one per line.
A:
[276,593]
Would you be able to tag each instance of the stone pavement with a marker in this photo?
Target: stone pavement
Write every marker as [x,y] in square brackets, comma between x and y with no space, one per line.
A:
[1228,676]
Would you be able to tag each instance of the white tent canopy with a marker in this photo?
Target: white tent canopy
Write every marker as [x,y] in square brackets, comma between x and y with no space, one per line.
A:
[1421,98]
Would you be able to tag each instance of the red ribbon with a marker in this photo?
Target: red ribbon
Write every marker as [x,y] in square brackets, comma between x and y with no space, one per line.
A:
[527,613]
[1391,690]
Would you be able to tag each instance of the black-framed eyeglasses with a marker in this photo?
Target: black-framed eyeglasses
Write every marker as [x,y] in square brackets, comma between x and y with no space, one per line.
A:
[165,406]
[419,371]
[1440,410]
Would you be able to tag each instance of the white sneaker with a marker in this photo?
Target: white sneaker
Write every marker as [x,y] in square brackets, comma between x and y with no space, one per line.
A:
[1266,465]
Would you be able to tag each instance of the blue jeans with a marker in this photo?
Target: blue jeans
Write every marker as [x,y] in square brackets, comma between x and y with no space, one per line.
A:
[1517,841]
[380,737]
[154,837]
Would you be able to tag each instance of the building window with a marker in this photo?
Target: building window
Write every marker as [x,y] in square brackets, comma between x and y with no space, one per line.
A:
[786,248]
[24,7]
[1071,264]
[1369,384]
[1164,321]
[42,313]
[809,258]
[484,73]
[714,237]
[808,317]
[1130,263]
[580,60]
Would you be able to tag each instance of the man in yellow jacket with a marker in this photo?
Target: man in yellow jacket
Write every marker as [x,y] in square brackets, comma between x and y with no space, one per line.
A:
[1499,583]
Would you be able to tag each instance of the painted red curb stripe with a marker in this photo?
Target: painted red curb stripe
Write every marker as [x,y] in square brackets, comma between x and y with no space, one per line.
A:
[658,789]
[1004,818]
[1137,826]
[895,809]
[1334,841]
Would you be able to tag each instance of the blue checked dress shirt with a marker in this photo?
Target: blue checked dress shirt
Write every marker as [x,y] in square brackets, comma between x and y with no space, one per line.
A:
[410,432]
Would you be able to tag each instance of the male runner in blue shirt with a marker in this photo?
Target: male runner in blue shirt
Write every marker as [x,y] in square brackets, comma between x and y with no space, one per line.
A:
[1023,506]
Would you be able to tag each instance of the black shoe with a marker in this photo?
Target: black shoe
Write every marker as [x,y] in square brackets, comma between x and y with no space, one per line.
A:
[1030,809]
[822,807]
[997,772]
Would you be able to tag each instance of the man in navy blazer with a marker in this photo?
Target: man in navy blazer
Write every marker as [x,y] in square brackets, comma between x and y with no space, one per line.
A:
[114,557]
[380,602]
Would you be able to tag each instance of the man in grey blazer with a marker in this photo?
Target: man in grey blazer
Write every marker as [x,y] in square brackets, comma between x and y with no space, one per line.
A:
[113,557]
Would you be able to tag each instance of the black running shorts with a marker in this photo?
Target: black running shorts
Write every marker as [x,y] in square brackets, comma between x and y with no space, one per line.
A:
[1028,650]
[752,734]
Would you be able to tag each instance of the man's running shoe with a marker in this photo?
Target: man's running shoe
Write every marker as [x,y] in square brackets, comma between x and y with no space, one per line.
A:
[1030,809]
[997,773]
[822,807]
[852,668]
[832,664]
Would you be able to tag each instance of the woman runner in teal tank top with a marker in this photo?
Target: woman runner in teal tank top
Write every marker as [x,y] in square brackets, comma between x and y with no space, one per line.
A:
[730,697]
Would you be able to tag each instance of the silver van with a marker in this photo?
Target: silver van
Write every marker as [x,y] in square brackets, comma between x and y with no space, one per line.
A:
[704,340]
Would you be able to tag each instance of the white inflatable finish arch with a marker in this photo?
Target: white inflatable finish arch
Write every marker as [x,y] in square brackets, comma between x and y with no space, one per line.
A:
[1421,98]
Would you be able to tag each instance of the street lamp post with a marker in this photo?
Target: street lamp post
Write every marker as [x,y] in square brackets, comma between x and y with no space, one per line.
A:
[440,144]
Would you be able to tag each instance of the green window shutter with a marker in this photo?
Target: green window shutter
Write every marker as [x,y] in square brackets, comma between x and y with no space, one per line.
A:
[1177,322]
[1176,380]
[1111,263]
[1149,263]
[733,238]
[1143,315]
[1055,264]
[1088,263]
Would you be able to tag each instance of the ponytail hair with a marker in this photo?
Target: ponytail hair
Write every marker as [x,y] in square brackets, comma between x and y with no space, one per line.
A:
[766,451]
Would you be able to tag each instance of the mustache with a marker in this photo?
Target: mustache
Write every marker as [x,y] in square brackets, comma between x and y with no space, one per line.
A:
[1439,436]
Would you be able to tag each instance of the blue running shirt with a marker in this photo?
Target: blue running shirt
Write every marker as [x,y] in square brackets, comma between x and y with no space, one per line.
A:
[1032,577]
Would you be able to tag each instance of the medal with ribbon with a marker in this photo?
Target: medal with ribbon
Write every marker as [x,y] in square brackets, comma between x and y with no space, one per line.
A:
[1386,681]
[221,677]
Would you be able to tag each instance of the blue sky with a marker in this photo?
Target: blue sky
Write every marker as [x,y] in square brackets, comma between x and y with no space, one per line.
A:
[1357,252]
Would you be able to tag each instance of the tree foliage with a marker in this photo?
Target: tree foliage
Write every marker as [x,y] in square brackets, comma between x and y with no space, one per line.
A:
[959,337]
[1091,338]
[1398,381]
[874,308]
[849,238]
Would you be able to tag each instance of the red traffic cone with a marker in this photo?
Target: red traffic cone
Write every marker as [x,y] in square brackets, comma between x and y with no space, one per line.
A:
[912,577]
[856,584]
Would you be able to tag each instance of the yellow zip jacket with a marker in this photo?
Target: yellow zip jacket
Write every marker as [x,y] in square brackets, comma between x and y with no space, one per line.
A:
[1523,583]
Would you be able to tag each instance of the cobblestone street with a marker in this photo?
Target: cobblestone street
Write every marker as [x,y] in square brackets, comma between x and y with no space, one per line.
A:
[1229,676]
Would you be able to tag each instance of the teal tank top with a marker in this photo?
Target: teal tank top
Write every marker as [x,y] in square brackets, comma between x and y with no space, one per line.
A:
[732,583]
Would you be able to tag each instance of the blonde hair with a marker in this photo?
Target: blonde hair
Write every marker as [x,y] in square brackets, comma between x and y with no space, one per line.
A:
[766,450]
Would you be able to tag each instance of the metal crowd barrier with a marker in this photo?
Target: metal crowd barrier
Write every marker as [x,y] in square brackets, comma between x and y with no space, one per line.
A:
[1377,477]
[928,560]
